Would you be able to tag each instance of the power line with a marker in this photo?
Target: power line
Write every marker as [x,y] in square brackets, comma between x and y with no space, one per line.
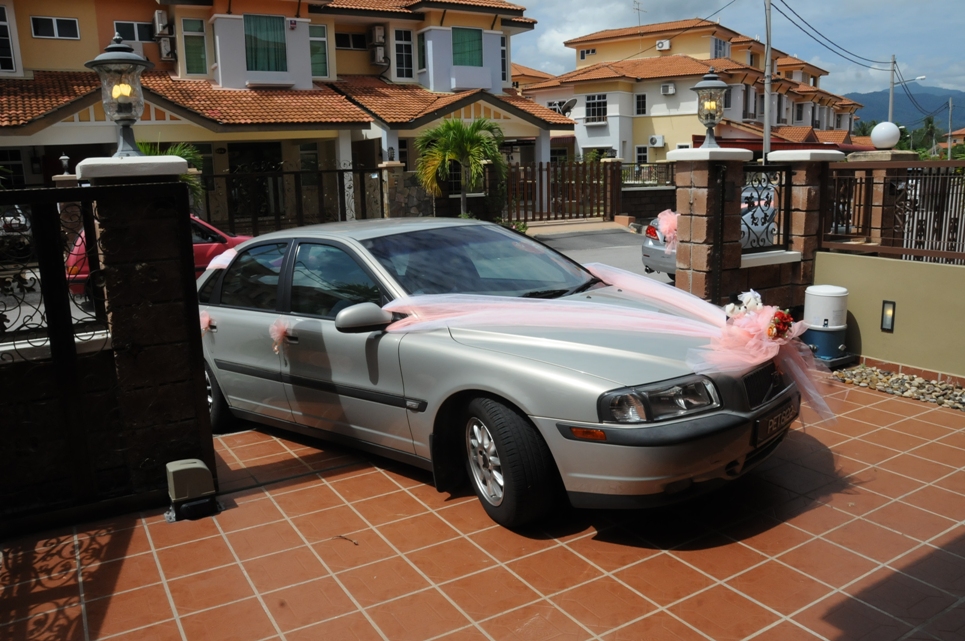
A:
[911,97]
[791,9]
[812,37]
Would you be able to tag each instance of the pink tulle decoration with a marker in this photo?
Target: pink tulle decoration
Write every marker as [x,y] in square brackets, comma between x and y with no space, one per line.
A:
[667,225]
[205,321]
[222,260]
[743,342]
[278,330]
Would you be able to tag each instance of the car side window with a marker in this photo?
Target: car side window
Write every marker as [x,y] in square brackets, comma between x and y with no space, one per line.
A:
[252,279]
[326,279]
[201,235]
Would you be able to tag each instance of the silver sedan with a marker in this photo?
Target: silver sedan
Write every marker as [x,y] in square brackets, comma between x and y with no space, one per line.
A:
[531,415]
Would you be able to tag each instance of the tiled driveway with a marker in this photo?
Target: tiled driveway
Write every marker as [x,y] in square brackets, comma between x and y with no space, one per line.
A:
[852,531]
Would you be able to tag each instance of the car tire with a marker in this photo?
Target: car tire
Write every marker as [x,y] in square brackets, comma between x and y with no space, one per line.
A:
[222,420]
[673,278]
[509,465]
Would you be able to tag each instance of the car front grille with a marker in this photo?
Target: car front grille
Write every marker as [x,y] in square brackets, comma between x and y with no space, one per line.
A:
[763,384]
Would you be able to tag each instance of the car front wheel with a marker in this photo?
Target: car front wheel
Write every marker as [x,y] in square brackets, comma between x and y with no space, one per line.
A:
[222,420]
[512,470]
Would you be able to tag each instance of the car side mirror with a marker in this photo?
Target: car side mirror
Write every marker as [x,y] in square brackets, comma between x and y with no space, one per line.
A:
[363,317]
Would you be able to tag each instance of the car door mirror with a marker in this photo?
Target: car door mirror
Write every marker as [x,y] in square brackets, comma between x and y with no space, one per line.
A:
[363,317]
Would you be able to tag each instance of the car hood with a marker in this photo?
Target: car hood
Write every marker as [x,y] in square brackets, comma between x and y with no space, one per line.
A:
[624,358]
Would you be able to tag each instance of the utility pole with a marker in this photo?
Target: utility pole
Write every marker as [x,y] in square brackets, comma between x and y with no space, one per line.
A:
[949,127]
[767,79]
[891,92]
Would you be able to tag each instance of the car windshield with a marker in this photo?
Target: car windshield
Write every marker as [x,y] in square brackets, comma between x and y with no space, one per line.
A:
[484,259]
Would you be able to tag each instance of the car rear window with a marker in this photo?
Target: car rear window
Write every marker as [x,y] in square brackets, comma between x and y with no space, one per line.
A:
[252,279]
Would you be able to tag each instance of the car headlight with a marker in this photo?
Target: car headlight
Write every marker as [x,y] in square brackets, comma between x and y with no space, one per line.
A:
[662,401]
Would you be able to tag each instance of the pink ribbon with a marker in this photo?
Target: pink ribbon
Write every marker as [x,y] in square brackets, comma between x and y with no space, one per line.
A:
[667,225]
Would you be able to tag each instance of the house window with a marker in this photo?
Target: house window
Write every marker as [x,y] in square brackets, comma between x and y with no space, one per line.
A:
[11,169]
[403,53]
[502,54]
[64,28]
[587,52]
[596,108]
[467,49]
[719,48]
[799,112]
[350,41]
[752,59]
[558,155]
[308,163]
[642,155]
[6,44]
[318,49]
[135,31]
[728,98]
[265,43]
[421,41]
[760,104]
[195,52]
[641,104]
[404,152]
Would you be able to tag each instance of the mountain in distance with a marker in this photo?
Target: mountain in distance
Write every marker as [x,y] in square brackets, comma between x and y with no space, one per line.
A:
[930,98]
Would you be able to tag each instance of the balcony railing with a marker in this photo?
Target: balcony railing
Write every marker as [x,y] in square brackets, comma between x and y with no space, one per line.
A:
[647,174]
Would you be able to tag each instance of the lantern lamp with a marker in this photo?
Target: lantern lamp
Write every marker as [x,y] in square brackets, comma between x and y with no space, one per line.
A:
[120,71]
[710,105]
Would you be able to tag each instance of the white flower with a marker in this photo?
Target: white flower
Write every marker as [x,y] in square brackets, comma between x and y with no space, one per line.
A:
[731,310]
[751,300]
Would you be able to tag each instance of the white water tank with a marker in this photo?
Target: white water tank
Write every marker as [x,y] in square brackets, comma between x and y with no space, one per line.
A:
[826,307]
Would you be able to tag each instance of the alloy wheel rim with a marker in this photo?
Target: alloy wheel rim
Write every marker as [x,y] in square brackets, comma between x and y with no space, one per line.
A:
[484,462]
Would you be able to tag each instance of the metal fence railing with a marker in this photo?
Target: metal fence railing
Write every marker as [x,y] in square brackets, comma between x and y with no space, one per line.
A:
[647,174]
[765,208]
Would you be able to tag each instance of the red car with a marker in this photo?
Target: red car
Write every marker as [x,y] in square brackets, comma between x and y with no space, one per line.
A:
[208,241]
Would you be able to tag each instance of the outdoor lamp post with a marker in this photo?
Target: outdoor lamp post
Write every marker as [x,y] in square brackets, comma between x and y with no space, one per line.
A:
[710,105]
[120,70]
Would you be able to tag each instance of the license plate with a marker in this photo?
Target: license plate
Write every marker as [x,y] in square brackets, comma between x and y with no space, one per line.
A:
[774,422]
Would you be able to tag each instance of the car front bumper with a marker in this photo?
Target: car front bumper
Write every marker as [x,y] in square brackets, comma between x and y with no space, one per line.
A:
[656,259]
[664,463]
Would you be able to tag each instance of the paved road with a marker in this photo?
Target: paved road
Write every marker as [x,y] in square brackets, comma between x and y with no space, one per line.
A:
[616,248]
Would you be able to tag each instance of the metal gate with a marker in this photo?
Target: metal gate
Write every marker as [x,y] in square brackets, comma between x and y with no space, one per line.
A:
[560,191]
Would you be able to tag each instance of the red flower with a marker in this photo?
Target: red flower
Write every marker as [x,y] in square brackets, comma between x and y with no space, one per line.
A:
[780,324]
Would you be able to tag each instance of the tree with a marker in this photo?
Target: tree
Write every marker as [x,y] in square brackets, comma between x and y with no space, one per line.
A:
[183,150]
[471,146]
[864,128]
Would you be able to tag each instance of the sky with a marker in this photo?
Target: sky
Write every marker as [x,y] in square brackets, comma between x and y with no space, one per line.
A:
[924,35]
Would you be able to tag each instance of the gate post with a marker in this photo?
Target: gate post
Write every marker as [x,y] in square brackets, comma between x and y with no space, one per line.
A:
[393,201]
[708,230]
[613,180]
[886,227]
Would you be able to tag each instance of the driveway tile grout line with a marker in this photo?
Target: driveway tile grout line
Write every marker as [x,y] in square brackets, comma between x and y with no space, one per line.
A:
[164,582]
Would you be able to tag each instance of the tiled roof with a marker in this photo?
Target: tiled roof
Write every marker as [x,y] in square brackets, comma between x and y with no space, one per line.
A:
[24,100]
[643,30]
[864,141]
[959,132]
[255,106]
[739,40]
[521,70]
[646,69]
[795,134]
[837,136]
[791,61]
[488,4]
[409,6]
[543,113]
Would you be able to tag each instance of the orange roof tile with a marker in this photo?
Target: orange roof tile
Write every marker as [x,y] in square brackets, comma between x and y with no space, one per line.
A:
[959,132]
[791,61]
[25,100]
[837,136]
[522,70]
[795,133]
[739,40]
[646,69]
[411,6]
[255,106]
[863,141]
[543,113]
[643,30]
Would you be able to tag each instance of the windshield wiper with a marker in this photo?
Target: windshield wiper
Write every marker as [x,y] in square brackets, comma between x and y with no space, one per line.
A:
[544,293]
[585,286]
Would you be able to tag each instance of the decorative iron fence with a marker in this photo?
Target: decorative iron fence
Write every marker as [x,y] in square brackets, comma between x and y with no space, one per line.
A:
[647,174]
[914,210]
[765,208]
[560,191]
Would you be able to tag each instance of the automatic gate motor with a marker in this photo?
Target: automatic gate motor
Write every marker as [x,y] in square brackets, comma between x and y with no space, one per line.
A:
[191,489]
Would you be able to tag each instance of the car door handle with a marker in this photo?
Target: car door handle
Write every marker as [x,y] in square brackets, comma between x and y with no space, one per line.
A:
[212,326]
[291,339]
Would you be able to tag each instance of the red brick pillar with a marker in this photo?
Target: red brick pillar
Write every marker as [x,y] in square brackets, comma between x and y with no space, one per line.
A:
[708,230]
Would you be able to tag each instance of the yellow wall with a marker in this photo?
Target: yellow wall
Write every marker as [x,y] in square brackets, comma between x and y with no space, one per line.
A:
[602,87]
[55,54]
[458,19]
[697,46]
[928,313]
[675,129]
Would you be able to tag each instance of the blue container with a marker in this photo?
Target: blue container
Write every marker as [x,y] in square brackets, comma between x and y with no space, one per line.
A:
[827,344]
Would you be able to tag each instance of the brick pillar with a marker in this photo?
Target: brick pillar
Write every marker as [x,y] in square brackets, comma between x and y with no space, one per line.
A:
[884,192]
[393,201]
[708,230]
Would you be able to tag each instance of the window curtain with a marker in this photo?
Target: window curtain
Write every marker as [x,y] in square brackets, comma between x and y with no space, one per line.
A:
[265,43]
[467,50]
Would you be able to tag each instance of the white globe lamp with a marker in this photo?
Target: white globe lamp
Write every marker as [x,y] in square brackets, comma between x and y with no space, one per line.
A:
[885,135]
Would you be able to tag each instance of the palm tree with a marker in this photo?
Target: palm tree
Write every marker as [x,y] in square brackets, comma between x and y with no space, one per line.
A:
[184,150]
[472,146]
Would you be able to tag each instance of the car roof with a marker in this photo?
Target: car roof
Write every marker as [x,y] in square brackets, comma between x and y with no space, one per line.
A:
[365,229]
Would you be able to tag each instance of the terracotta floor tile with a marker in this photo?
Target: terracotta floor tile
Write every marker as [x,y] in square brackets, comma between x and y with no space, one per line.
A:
[438,500]
[209,589]
[858,395]
[382,581]
[241,621]
[871,540]
[507,545]
[767,535]
[166,631]
[537,622]
[920,428]
[249,514]
[188,558]
[718,556]
[910,520]
[865,451]
[938,500]
[839,405]
[883,482]
[656,627]
[466,517]
[779,587]
[825,461]
[450,560]
[899,441]
[277,470]
[364,547]
[348,470]
[824,436]
[603,604]
[264,539]
[365,486]
[66,625]
[851,500]
[389,507]
[283,569]
[900,596]
[310,499]
[165,534]
[36,557]
[917,468]
[308,603]
[949,626]
[811,516]
[827,563]
[34,597]
[128,610]
[107,578]
[723,615]
[797,478]
[946,418]
[465,634]
[406,475]
[417,532]
[954,482]
[240,439]
[900,406]
[941,453]
[301,483]
[786,631]
[319,526]
[663,579]
[937,568]
[553,570]
[842,617]
[849,426]
[955,439]
[246,453]
[422,615]
[952,541]
[354,627]
[100,547]
[612,549]
[874,416]
[488,593]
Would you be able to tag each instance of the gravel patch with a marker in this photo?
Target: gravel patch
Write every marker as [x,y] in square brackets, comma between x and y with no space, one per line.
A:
[904,385]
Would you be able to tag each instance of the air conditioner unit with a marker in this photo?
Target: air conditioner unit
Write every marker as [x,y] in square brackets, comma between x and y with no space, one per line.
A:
[161,25]
[376,35]
[656,141]
[663,45]
[378,56]
[166,49]
[668,89]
